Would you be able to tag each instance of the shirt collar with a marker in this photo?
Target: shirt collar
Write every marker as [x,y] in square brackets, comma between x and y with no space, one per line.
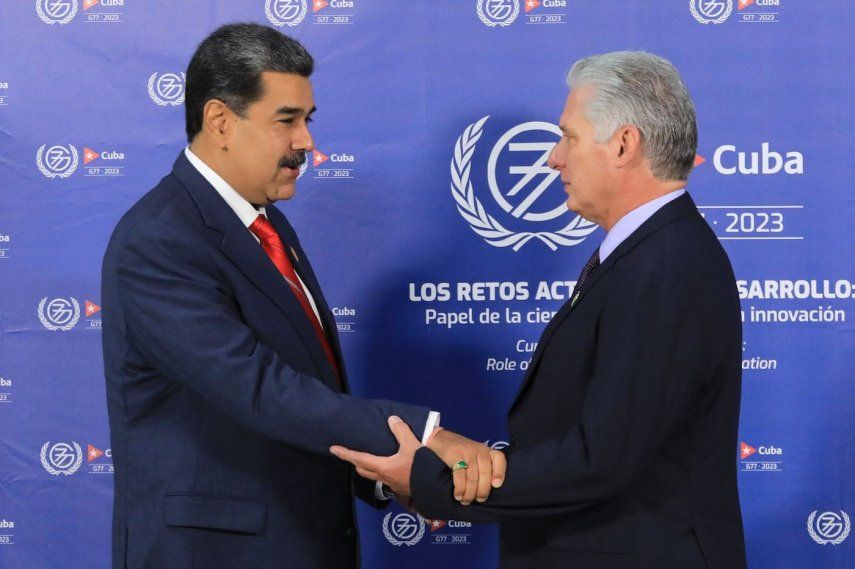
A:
[632,221]
[242,208]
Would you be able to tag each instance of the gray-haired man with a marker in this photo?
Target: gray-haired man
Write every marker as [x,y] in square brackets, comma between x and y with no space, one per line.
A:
[624,429]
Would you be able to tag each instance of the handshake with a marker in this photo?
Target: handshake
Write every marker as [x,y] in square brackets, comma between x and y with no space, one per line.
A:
[476,468]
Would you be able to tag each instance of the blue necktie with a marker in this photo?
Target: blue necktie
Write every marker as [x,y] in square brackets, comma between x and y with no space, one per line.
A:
[589,268]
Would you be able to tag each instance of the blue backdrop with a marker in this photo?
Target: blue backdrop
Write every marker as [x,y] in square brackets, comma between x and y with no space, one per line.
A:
[431,113]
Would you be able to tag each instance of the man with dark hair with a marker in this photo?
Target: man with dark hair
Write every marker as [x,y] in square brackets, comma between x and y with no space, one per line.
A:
[225,381]
[624,431]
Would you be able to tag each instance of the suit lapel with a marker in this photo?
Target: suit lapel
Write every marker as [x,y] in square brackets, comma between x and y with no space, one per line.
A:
[304,268]
[238,245]
[556,321]
[672,211]
[298,259]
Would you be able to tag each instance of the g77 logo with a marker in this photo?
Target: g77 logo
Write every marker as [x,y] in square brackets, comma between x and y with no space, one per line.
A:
[167,89]
[711,11]
[56,11]
[57,161]
[487,226]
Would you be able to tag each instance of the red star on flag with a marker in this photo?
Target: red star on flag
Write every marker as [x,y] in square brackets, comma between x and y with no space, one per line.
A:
[89,155]
[531,5]
[746,450]
[91,308]
[89,3]
[436,524]
[698,160]
[319,5]
[745,4]
[319,157]
[93,453]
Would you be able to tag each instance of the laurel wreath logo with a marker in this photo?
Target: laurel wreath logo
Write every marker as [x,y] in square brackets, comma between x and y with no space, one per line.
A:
[51,21]
[65,173]
[706,20]
[54,327]
[822,541]
[277,21]
[395,541]
[479,7]
[485,224]
[68,471]
[152,92]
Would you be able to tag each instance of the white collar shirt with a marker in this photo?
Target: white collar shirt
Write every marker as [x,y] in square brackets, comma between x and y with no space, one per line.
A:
[242,208]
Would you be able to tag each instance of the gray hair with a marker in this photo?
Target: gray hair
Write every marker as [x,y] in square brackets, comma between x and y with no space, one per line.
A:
[644,90]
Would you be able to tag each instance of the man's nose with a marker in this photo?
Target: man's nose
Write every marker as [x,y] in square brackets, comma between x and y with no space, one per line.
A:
[554,162]
[302,139]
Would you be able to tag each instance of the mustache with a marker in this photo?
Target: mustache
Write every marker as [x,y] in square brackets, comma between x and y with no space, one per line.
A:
[293,160]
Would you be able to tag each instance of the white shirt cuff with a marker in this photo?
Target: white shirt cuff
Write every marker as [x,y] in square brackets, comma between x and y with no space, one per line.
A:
[431,423]
[378,491]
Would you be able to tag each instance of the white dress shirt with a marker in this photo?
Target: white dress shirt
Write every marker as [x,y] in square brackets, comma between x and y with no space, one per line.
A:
[247,214]
[244,210]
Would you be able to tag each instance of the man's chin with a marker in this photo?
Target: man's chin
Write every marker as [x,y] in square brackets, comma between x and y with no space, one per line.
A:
[282,192]
[571,205]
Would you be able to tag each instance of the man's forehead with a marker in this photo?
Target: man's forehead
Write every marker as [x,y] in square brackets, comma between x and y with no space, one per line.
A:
[287,90]
[580,95]
[575,104]
[567,113]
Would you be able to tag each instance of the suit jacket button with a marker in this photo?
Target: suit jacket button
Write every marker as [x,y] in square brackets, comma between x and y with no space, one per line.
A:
[349,532]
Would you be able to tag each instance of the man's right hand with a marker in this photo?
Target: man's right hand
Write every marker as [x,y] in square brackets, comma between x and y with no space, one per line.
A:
[485,468]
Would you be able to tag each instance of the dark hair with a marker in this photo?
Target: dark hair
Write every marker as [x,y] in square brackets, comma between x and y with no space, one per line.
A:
[228,64]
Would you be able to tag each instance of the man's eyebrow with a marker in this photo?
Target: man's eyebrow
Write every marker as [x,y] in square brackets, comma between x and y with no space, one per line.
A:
[293,110]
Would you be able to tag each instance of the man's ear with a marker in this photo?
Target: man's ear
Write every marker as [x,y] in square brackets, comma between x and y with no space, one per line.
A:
[626,145]
[217,122]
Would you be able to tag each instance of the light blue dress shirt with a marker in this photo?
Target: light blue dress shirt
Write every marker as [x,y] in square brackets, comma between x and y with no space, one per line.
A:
[632,221]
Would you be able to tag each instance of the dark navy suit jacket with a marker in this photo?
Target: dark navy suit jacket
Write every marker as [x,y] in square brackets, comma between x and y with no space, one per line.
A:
[222,403]
[624,433]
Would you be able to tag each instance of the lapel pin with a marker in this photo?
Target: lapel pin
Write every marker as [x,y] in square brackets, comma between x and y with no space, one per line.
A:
[294,254]
[575,299]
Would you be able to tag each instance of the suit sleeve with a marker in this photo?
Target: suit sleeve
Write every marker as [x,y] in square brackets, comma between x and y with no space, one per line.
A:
[648,366]
[181,317]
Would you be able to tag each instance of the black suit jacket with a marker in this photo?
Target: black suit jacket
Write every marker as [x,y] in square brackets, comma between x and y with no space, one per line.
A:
[624,432]
[221,400]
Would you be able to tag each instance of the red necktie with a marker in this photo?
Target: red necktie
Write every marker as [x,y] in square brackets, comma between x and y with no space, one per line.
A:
[275,249]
